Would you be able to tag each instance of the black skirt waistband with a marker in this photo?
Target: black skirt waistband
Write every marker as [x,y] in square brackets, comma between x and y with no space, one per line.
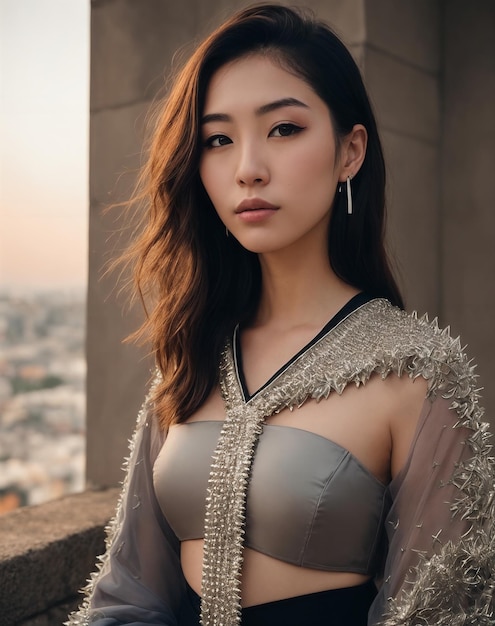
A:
[348,606]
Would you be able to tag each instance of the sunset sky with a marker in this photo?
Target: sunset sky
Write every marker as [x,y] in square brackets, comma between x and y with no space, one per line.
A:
[44,118]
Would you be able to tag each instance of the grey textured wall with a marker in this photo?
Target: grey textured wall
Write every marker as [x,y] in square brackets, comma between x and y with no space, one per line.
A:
[402,71]
[468,183]
[429,68]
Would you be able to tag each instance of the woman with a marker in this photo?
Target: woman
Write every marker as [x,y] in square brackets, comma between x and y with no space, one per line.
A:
[264,253]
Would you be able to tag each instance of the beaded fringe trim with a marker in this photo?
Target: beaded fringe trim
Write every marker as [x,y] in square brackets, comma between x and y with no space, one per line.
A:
[377,338]
[224,520]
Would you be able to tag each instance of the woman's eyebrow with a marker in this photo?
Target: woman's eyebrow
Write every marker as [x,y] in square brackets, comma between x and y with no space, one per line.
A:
[279,104]
[262,110]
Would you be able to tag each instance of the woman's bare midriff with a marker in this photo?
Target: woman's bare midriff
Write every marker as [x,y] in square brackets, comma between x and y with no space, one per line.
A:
[265,579]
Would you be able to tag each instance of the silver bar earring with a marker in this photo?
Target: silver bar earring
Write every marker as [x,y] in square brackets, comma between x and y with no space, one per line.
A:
[349,196]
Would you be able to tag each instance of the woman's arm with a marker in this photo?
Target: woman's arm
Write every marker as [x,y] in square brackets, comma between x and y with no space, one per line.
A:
[139,580]
[441,547]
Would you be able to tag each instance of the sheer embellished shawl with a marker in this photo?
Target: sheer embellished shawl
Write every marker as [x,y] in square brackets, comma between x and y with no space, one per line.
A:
[139,578]
[441,544]
[441,556]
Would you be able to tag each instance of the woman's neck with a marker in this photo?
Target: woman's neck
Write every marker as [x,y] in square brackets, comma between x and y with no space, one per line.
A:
[299,292]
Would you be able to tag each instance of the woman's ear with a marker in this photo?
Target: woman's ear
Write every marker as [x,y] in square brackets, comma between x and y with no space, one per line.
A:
[353,151]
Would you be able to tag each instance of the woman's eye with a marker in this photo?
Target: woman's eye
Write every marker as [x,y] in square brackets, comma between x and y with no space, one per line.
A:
[285,130]
[217,141]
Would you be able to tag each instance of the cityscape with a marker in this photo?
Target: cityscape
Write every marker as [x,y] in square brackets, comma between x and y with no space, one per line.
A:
[42,396]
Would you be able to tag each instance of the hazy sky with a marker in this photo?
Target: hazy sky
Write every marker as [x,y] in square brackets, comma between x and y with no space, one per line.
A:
[44,118]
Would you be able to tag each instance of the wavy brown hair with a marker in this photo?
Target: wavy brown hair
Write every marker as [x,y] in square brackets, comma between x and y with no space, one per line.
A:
[202,283]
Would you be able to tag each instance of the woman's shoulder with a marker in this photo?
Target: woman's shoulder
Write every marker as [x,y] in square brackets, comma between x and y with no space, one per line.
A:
[418,349]
[393,340]
[398,329]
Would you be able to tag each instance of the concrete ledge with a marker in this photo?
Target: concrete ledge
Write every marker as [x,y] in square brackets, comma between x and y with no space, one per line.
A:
[47,553]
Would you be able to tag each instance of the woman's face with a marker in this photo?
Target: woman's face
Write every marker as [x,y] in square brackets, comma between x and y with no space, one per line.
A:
[268,161]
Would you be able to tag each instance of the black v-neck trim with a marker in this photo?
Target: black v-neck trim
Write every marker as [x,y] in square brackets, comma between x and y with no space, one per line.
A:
[354,303]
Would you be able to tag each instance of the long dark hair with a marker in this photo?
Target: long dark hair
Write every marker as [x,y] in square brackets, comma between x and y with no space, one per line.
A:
[203,283]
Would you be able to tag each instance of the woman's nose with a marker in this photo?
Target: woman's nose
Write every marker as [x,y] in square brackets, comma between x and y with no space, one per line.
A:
[252,168]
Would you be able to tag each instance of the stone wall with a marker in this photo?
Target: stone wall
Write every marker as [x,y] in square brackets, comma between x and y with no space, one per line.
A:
[467,278]
[402,71]
[46,555]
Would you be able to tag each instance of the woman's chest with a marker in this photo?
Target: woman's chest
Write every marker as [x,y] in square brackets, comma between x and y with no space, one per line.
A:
[310,501]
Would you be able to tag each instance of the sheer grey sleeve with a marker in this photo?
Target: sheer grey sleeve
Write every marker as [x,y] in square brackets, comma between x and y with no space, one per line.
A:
[441,556]
[139,579]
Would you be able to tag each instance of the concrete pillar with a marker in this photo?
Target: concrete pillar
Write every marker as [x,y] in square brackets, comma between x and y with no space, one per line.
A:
[402,72]
[468,182]
[429,122]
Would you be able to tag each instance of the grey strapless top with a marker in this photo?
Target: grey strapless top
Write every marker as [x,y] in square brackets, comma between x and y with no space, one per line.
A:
[310,501]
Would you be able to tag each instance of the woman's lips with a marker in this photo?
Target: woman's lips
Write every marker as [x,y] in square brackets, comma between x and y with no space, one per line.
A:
[255,215]
[255,210]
